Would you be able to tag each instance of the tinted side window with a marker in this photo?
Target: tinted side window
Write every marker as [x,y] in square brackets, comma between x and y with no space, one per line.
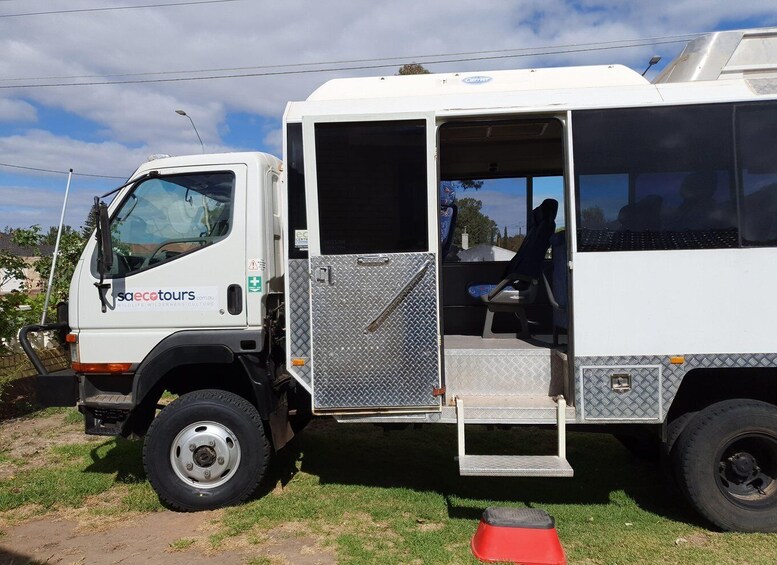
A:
[757,159]
[372,186]
[166,217]
[655,178]
[295,167]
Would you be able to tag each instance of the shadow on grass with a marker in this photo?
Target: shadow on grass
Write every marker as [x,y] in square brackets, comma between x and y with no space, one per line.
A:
[17,397]
[121,457]
[423,460]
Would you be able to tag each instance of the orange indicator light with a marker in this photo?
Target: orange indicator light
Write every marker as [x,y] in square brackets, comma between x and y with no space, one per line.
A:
[101,367]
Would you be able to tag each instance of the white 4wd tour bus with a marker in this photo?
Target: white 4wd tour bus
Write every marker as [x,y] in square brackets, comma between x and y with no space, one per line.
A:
[372,276]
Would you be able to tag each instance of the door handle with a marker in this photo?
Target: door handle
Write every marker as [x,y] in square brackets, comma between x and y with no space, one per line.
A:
[372,260]
[234,299]
[398,298]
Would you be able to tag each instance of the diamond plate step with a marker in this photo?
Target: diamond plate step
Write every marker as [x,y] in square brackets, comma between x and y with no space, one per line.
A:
[514,466]
[476,366]
[513,408]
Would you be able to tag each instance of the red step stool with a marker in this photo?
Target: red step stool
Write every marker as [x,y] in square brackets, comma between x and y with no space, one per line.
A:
[518,535]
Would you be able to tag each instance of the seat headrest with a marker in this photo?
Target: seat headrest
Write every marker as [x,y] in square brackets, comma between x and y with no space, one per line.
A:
[545,212]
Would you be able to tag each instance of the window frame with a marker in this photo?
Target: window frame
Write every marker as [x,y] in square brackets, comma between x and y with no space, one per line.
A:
[295,189]
[156,175]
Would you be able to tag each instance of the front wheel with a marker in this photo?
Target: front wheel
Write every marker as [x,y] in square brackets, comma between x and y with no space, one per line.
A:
[727,465]
[205,450]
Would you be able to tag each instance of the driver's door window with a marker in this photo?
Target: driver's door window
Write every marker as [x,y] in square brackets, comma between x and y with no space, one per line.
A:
[164,218]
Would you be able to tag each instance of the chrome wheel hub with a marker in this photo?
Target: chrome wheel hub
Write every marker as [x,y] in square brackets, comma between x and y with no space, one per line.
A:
[205,454]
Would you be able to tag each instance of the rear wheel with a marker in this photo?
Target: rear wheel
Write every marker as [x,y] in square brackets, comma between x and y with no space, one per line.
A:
[205,450]
[726,464]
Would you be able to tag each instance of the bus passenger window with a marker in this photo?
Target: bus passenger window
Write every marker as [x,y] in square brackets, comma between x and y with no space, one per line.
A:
[659,178]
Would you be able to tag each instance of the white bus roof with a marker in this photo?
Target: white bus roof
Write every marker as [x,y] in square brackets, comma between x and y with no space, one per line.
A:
[481,82]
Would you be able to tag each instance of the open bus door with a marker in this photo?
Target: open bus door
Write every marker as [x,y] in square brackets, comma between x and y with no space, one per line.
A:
[371,189]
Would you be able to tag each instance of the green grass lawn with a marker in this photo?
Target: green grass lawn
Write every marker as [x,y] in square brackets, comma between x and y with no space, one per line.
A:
[396,497]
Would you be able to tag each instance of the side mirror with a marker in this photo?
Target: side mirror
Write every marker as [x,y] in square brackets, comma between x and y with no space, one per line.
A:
[104,249]
[104,243]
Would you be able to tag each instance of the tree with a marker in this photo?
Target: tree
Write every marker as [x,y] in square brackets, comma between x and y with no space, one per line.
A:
[90,224]
[481,228]
[412,69]
[465,184]
[513,242]
[71,244]
[592,217]
[12,314]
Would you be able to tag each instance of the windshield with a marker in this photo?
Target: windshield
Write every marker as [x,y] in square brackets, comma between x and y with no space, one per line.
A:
[165,217]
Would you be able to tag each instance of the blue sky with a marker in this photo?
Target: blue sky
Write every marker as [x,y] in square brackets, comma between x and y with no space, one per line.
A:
[110,129]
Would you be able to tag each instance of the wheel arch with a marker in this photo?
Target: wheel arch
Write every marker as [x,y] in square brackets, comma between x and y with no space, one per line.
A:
[192,360]
[705,386]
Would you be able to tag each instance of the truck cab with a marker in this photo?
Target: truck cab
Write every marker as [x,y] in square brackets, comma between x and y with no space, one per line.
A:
[185,300]
[193,246]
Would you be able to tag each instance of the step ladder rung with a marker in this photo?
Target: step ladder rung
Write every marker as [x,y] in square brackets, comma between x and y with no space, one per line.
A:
[515,466]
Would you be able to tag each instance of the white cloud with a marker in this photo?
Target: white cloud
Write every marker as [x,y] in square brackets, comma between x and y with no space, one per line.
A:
[252,34]
[273,141]
[40,201]
[133,121]
[16,111]
[42,204]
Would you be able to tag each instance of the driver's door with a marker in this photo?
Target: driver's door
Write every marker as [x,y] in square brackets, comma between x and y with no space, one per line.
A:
[373,240]
[179,251]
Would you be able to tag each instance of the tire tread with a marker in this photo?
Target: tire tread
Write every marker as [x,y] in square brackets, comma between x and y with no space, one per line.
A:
[686,454]
[224,397]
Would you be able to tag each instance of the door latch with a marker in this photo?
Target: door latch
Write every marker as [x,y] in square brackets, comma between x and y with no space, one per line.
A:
[323,275]
[620,382]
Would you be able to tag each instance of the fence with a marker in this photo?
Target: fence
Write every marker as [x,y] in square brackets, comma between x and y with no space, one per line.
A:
[16,365]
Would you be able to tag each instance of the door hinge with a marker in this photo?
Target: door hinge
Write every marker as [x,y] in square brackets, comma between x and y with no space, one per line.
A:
[438,391]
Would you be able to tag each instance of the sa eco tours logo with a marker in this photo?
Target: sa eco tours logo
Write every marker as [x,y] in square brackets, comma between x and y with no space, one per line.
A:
[194,298]
[156,295]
